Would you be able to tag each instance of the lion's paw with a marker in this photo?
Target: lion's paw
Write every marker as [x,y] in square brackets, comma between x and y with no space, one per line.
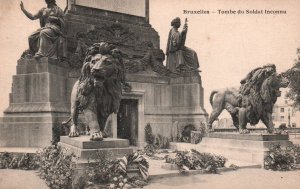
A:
[96,136]
[73,131]
[104,134]
[244,131]
[211,130]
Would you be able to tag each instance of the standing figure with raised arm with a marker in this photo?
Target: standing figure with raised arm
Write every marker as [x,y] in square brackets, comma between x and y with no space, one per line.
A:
[179,57]
[45,42]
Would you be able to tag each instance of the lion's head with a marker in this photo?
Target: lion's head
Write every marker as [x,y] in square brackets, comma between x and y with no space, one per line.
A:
[102,74]
[261,99]
[269,90]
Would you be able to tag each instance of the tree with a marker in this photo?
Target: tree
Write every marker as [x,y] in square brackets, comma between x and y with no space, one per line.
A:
[293,75]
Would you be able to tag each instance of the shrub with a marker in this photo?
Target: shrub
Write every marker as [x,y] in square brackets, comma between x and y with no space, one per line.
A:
[18,161]
[149,135]
[186,133]
[56,167]
[282,159]
[196,160]
[113,173]
[5,159]
[99,169]
[162,142]
[154,142]
[282,126]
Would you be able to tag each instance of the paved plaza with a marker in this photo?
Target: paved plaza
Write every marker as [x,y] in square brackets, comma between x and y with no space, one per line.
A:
[239,179]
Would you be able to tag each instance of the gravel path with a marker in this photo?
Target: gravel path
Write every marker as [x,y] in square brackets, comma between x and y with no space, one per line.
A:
[240,179]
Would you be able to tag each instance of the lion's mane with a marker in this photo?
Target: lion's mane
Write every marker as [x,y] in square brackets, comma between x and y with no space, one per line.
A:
[106,96]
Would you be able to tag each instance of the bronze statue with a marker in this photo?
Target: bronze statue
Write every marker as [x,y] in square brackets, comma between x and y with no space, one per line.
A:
[253,101]
[179,57]
[97,93]
[45,42]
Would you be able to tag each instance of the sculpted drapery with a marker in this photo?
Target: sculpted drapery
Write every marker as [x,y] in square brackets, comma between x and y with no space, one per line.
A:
[179,57]
[46,41]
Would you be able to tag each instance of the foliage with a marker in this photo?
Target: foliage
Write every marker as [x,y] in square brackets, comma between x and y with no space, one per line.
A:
[282,126]
[150,148]
[140,162]
[196,160]
[186,133]
[293,75]
[148,134]
[57,131]
[118,182]
[5,159]
[18,161]
[56,167]
[184,161]
[154,142]
[114,173]
[162,142]
[282,159]
[203,128]
[99,169]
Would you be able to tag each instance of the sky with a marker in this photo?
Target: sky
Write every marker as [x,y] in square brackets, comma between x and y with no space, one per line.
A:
[228,45]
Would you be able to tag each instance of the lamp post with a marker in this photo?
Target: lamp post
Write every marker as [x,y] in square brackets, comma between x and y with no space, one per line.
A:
[289,117]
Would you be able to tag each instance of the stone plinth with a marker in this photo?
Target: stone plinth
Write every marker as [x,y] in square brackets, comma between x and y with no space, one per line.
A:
[252,137]
[38,103]
[86,150]
[250,148]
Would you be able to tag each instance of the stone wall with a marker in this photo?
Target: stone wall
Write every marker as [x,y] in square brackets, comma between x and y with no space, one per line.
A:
[129,33]
[170,102]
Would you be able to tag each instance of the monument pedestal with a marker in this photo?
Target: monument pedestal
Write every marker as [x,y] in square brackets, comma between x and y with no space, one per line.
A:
[86,150]
[250,148]
[38,104]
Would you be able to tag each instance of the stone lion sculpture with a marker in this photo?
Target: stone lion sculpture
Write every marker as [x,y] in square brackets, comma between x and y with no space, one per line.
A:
[98,91]
[252,102]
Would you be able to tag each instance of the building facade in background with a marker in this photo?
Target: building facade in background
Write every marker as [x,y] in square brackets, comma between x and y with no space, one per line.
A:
[285,114]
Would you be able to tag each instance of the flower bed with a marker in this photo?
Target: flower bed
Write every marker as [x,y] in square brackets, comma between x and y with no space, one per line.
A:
[283,159]
[24,161]
[130,171]
[56,166]
[195,160]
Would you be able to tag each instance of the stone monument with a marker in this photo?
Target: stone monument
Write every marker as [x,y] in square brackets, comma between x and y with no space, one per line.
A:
[41,90]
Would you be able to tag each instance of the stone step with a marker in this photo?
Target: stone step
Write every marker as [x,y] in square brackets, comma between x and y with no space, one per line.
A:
[19,150]
[251,136]
[84,142]
[247,144]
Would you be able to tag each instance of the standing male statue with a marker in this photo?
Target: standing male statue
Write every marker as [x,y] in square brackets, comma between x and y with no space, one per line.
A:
[45,42]
[179,57]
